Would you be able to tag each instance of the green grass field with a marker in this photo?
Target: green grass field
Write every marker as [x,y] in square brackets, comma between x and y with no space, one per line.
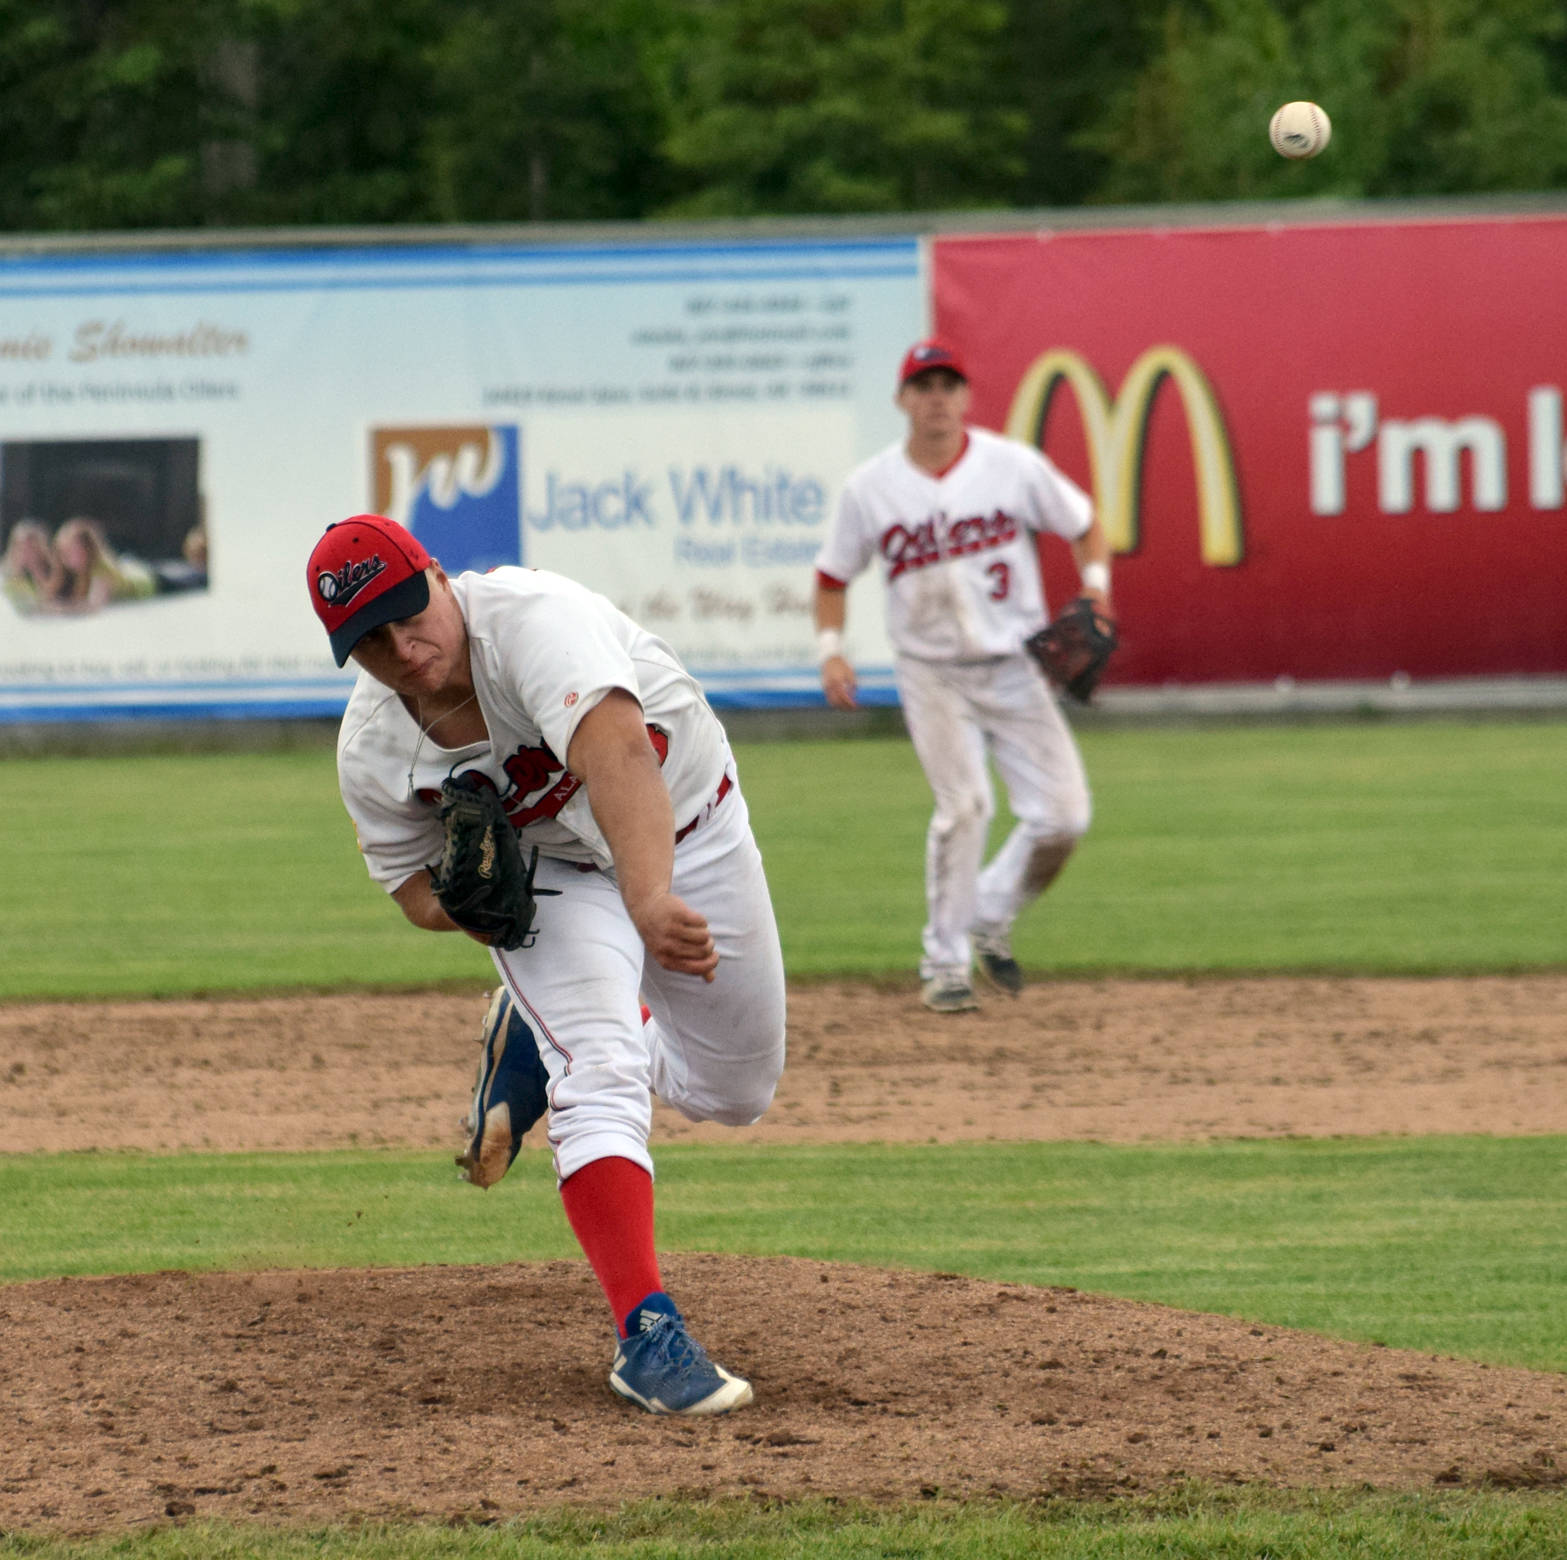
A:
[1449,1245]
[1186,1524]
[1362,847]
[1415,848]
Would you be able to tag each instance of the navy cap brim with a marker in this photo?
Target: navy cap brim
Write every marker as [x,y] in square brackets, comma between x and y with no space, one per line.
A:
[404,600]
[935,368]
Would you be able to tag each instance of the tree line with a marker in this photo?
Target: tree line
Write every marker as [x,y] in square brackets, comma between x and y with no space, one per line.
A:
[157,114]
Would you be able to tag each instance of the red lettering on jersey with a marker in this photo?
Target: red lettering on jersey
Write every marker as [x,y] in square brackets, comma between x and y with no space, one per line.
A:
[529,769]
[547,805]
[917,547]
[907,547]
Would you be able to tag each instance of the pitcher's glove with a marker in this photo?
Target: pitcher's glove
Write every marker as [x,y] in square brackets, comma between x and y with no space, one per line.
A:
[1073,648]
[481,880]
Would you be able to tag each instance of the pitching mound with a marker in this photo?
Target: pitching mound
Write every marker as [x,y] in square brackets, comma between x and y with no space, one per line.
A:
[482,1393]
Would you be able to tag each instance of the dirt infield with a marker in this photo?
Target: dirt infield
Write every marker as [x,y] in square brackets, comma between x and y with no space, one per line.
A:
[446,1392]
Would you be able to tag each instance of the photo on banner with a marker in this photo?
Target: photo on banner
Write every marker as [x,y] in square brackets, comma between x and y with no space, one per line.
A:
[87,524]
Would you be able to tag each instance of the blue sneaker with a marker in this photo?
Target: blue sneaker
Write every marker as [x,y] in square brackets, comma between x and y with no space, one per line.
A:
[510,1093]
[662,1367]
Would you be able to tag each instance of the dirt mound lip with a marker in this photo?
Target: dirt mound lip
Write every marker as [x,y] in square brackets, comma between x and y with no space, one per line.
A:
[1115,1061]
[482,1392]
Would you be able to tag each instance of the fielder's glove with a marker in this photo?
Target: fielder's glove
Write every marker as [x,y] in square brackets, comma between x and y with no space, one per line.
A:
[1073,648]
[481,880]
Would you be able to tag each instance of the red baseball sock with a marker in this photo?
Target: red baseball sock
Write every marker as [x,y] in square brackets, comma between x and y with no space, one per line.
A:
[610,1205]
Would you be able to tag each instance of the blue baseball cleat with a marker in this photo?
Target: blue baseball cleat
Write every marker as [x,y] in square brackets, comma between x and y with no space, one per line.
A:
[662,1367]
[510,1093]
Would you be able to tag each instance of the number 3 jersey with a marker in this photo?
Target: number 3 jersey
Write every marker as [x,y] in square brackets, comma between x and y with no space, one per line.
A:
[957,551]
[544,651]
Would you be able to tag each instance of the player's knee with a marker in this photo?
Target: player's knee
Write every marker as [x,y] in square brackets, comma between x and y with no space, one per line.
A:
[744,1109]
[746,1094]
[1075,824]
[960,810]
[1065,820]
[751,1087]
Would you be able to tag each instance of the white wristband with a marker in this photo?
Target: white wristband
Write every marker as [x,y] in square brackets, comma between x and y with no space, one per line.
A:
[1096,576]
[829,642]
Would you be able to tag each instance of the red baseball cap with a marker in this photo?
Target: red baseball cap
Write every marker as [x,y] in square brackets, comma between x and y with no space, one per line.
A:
[366,571]
[930,354]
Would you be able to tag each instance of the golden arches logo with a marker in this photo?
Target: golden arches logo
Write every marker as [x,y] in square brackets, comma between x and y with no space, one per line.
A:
[1116,429]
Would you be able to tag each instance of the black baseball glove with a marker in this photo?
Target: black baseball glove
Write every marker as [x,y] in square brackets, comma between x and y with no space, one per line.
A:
[481,880]
[1073,648]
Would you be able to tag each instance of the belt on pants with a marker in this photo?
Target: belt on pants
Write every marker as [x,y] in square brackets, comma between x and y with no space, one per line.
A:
[725,786]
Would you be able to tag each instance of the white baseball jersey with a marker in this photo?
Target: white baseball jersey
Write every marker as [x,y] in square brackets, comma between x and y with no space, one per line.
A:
[957,550]
[544,651]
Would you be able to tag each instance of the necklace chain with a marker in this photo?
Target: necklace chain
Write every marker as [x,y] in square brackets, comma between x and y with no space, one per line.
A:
[425,730]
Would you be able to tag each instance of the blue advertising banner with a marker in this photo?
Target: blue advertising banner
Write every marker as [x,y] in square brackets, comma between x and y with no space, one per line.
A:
[667,422]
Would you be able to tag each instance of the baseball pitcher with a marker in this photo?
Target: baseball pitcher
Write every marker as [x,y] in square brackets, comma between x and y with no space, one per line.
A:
[524,763]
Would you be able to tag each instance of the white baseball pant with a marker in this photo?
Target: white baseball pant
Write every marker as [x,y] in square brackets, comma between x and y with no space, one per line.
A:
[713,1050]
[957,713]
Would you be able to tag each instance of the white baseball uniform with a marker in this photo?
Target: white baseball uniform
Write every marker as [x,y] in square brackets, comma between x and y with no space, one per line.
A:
[544,651]
[963,591]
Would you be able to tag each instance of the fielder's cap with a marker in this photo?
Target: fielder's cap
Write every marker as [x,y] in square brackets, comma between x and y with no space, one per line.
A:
[366,571]
[930,354]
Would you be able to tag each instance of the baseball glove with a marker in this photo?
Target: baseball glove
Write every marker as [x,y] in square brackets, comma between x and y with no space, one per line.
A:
[481,880]
[1073,648]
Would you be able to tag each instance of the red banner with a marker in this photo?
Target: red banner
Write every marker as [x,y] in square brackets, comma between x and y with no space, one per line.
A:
[1321,451]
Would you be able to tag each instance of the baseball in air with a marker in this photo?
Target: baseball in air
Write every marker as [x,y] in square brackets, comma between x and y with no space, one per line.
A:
[1299,130]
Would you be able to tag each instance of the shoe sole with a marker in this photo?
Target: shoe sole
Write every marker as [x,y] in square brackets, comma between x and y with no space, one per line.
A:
[734,1393]
[487,1158]
[1012,988]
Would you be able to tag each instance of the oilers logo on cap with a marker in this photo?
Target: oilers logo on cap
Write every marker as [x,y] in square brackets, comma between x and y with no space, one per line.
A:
[924,355]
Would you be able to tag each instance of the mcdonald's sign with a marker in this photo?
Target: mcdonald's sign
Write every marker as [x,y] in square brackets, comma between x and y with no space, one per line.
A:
[1386,399]
[1116,430]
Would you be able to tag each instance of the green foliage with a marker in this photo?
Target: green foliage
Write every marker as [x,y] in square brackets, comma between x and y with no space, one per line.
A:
[1062,64]
[1439,97]
[800,106]
[339,95]
[99,114]
[153,113]
[548,111]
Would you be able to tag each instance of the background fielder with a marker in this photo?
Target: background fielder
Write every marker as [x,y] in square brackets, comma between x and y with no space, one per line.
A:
[952,513]
[609,760]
